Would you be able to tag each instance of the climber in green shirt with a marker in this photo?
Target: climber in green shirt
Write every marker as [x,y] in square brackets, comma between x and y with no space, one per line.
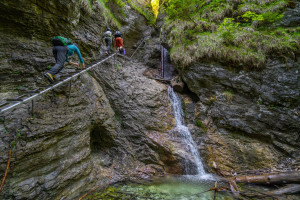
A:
[61,54]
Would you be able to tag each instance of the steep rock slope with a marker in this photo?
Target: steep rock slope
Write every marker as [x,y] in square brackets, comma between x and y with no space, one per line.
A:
[114,122]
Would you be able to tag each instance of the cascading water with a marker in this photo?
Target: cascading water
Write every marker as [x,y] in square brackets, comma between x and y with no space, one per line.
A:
[186,135]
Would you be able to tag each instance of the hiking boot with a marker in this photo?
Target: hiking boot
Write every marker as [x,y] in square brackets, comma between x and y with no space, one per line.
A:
[49,77]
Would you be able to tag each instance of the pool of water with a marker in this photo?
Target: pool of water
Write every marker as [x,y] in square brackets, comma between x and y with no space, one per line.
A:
[174,188]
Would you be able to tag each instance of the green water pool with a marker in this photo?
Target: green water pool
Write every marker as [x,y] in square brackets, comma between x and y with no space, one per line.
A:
[181,188]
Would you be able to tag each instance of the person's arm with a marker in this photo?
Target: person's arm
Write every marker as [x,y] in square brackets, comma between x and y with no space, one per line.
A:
[80,58]
[69,62]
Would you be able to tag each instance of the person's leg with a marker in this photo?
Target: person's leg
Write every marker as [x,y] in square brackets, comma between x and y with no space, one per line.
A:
[61,53]
[109,44]
[106,42]
[54,51]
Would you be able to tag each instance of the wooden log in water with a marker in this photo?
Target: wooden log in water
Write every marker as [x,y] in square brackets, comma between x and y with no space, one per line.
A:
[288,189]
[279,178]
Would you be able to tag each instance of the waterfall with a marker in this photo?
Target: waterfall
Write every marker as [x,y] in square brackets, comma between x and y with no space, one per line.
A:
[185,134]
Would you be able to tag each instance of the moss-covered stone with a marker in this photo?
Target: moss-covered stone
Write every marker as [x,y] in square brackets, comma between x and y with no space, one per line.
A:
[236,33]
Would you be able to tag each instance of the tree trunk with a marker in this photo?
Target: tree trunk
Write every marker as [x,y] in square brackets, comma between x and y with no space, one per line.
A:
[280,178]
[289,189]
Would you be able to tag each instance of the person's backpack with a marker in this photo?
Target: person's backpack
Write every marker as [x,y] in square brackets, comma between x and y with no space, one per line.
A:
[107,34]
[61,41]
[122,51]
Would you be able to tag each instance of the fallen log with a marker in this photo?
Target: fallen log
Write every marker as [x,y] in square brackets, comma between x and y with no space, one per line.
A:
[289,189]
[279,178]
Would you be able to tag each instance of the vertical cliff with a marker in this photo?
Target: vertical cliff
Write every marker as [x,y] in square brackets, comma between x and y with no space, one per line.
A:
[113,122]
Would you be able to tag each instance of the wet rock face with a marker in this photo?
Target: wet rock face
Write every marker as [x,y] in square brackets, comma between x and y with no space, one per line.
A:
[53,149]
[255,113]
[116,123]
[26,31]
[144,112]
[292,15]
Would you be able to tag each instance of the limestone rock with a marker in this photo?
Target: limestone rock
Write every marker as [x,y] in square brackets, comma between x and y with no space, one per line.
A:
[177,84]
[255,113]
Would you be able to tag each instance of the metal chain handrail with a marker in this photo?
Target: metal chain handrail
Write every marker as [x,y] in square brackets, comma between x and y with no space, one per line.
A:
[21,101]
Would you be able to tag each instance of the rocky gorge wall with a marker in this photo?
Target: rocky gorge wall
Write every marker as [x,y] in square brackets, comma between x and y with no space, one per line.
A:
[117,122]
[114,124]
[249,118]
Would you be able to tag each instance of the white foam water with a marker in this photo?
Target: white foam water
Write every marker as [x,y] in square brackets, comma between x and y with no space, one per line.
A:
[186,135]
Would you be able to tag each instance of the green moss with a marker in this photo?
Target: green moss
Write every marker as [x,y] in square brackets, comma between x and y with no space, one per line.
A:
[108,15]
[216,30]
[228,95]
[200,125]
[146,11]
[118,119]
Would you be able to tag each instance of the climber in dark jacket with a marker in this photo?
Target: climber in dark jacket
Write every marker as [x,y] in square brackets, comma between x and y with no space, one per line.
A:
[61,54]
[108,39]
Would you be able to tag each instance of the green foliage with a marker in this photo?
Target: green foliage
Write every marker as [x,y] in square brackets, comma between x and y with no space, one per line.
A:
[229,25]
[18,133]
[110,19]
[259,100]
[228,95]
[4,131]
[228,38]
[272,17]
[151,18]
[118,119]
[118,2]
[118,66]
[13,144]
[178,9]
[237,33]
[251,16]
[200,125]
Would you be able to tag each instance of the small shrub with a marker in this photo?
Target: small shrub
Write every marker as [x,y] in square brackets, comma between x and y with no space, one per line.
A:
[228,38]
[118,66]
[13,144]
[212,99]
[118,119]
[200,125]
[228,95]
